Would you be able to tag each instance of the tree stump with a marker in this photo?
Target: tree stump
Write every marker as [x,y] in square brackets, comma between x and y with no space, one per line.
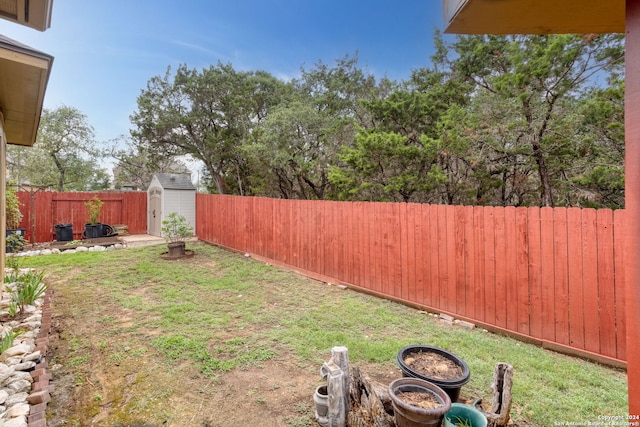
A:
[501,386]
[370,402]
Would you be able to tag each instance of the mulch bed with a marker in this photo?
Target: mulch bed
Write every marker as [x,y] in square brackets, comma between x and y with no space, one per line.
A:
[100,241]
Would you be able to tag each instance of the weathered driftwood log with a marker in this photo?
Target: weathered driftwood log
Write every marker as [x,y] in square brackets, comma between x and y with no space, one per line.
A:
[340,356]
[501,386]
[337,372]
[370,402]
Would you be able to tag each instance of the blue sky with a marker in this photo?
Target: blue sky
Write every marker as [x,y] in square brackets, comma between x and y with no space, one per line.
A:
[106,51]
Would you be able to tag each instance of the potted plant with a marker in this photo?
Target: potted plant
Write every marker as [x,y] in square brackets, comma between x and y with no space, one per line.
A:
[436,365]
[93,228]
[461,415]
[175,230]
[418,402]
[14,234]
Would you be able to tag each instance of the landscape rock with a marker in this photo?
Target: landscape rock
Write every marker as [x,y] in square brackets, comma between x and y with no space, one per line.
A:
[32,357]
[19,375]
[20,421]
[24,366]
[16,398]
[20,386]
[5,372]
[17,410]
[446,318]
[12,361]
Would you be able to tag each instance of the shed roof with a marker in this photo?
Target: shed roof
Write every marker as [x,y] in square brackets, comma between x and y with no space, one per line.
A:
[25,73]
[174,181]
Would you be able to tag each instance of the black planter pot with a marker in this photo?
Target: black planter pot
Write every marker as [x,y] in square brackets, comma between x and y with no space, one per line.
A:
[92,231]
[64,232]
[407,415]
[14,244]
[451,387]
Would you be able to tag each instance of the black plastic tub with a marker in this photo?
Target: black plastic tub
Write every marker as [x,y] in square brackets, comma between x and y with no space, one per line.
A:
[451,387]
[92,231]
[64,232]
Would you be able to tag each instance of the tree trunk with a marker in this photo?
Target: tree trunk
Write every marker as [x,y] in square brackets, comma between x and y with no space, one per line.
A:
[370,402]
[60,171]
[501,385]
[217,179]
[546,192]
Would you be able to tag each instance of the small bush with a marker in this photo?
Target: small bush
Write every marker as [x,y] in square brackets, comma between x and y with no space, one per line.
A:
[11,276]
[29,288]
[94,206]
[176,228]
[15,242]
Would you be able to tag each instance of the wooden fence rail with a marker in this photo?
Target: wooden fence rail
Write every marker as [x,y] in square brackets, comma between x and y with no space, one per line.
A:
[554,276]
[42,210]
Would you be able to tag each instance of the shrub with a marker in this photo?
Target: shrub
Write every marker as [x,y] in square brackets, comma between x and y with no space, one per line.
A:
[175,228]
[29,288]
[94,206]
[13,215]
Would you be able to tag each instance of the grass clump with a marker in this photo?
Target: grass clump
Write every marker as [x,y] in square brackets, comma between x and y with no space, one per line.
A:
[26,287]
[29,287]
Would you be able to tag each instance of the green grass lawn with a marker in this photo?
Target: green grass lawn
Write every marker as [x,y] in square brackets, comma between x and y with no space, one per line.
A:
[188,305]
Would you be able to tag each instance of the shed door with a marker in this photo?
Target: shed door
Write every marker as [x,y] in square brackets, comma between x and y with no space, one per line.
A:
[155,212]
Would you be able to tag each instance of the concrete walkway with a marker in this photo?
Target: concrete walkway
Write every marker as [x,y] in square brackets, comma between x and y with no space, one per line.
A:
[133,240]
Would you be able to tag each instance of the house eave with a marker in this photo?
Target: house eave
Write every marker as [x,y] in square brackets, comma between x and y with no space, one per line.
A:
[25,74]
[534,16]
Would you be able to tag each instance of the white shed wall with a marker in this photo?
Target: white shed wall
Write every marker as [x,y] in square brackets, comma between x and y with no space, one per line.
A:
[181,201]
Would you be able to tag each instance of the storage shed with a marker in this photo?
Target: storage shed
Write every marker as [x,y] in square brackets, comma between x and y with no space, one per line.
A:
[170,193]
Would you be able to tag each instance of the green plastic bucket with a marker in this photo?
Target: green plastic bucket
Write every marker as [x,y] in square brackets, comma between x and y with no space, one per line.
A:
[459,413]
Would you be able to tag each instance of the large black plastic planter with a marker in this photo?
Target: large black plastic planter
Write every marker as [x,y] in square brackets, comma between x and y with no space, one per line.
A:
[64,232]
[92,231]
[451,387]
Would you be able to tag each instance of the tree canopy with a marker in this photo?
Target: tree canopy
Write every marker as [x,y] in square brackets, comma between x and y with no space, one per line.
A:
[495,120]
[65,155]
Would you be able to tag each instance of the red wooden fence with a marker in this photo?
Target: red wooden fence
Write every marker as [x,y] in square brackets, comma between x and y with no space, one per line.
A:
[43,209]
[553,276]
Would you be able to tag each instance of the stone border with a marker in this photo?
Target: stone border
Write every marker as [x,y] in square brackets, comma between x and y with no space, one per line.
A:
[40,388]
[24,370]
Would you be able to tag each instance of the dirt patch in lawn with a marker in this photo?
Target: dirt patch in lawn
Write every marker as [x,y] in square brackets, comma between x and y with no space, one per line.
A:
[107,372]
[123,389]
